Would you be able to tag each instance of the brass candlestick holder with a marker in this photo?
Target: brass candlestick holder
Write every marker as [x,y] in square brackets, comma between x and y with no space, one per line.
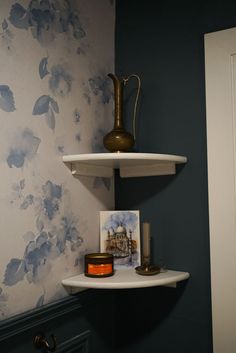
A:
[147,269]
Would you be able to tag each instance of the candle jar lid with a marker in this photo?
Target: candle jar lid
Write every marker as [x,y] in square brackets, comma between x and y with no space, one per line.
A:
[98,255]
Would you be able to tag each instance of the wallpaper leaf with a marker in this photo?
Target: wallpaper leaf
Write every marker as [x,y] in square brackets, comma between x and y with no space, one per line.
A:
[47,19]
[15,272]
[50,119]
[7,102]
[19,17]
[46,105]
[42,105]
[43,71]
[54,105]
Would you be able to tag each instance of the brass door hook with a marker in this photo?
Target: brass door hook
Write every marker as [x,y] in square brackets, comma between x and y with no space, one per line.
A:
[40,341]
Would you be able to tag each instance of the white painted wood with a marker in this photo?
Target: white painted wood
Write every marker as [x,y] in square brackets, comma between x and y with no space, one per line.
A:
[147,170]
[127,278]
[220,63]
[91,170]
[130,164]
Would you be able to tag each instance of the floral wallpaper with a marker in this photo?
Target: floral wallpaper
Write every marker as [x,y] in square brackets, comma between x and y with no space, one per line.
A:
[55,99]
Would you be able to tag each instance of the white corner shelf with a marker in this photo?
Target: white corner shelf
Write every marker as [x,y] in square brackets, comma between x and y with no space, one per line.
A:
[129,164]
[126,278]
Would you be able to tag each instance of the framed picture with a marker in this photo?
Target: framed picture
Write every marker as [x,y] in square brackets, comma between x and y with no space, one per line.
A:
[120,236]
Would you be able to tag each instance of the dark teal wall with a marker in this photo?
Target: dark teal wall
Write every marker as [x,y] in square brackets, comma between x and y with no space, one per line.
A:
[163,42]
[80,323]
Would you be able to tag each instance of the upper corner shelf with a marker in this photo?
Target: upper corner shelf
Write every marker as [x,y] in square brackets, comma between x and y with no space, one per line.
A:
[129,164]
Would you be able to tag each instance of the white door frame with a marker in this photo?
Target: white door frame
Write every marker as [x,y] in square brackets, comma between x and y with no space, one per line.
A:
[220,64]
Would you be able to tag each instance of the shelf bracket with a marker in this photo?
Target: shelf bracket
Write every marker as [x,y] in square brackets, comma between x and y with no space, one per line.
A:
[148,170]
[83,169]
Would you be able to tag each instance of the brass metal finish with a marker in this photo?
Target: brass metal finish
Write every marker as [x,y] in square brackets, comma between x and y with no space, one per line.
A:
[148,270]
[119,140]
[40,342]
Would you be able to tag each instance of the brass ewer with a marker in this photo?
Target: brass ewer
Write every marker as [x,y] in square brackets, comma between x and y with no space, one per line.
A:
[120,140]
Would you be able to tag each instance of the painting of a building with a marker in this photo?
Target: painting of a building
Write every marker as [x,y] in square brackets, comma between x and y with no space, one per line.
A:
[120,236]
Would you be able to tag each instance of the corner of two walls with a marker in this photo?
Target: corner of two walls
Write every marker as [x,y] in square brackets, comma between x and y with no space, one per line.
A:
[55,99]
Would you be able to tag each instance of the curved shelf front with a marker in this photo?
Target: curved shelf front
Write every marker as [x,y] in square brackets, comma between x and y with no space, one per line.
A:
[127,278]
[129,164]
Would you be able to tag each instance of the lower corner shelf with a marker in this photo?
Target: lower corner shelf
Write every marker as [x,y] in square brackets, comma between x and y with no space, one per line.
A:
[127,278]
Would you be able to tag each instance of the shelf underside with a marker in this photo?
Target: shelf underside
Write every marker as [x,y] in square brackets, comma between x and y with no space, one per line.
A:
[129,164]
[127,278]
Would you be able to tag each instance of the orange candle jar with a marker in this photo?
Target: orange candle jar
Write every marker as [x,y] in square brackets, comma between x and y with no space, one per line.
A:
[99,265]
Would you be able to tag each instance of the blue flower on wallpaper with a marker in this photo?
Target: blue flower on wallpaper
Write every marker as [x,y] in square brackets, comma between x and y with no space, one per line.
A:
[76,116]
[47,19]
[86,92]
[97,141]
[15,272]
[29,199]
[46,106]
[60,81]
[40,253]
[43,70]
[23,148]
[127,218]
[6,36]
[7,102]
[52,196]
[46,205]
[69,233]
[101,86]
[77,120]
[18,190]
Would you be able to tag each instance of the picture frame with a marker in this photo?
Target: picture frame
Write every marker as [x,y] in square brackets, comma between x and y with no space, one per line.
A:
[120,236]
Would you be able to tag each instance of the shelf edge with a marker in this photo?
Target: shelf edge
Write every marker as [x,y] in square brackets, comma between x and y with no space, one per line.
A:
[87,164]
[91,283]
